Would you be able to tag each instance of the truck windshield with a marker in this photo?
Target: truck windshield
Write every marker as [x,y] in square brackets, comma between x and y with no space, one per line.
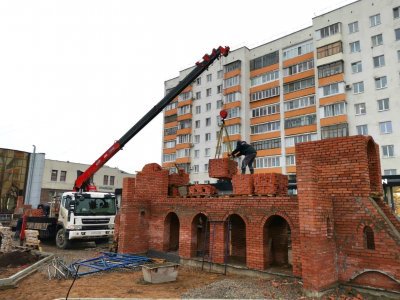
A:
[95,206]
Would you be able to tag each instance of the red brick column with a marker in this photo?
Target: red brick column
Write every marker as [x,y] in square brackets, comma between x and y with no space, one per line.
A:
[217,242]
[185,237]
[254,246]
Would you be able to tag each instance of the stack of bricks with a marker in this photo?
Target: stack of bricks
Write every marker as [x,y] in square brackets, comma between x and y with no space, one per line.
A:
[6,239]
[270,184]
[175,181]
[243,184]
[202,190]
[32,238]
[222,168]
[34,212]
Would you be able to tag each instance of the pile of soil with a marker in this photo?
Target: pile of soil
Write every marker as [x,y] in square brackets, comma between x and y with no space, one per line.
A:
[17,258]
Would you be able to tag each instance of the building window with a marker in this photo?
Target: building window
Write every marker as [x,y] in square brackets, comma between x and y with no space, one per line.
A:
[197,124]
[390,172]
[298,85]
[198,109]
[169,157]
[232,97]
[209,77]
[355,47]
[328,31]
[184,139]
[385,127]
[170,131]
[298,50]
[220,74]
[185,96]
[332,110]
[197,139]
[54,175]
[334,131]
[198,95]
[396,12]
[219,89]
[268,162]
[377,40]
[298,68]
[112,180]
[358,87]
[185,124]
[290,160]
[369,241]
[356,67]
[380,82]
[171,106]
[105,180]
[220,103]
[398,55]
[362,129]
[169,144]
[208,137]
[383,104]
[183,153]
[360,109]
[169,119]
[264,94]
[353,27]
[265,60]
[267,144]
[300,121]
[208,92]
[375,20]
[184,110]
[207,152]
[329,50]
[264,78]
[196,168]
[330,89]
[232,66]
[232,81]
[291,141]
[330,69]
[265,127]
[63,176]
[379,61]
[388,151]
[265,110]
[397,34]
[299,103]
[208,121]
[208,106]
[198,80]
[196,153]
[205,167]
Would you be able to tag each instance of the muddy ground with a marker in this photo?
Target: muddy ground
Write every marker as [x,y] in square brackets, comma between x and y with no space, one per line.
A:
[191,283]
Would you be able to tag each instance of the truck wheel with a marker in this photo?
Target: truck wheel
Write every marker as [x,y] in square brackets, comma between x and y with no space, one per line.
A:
[62,241]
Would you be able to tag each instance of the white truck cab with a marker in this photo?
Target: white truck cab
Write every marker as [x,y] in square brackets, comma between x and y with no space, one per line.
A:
[85,216]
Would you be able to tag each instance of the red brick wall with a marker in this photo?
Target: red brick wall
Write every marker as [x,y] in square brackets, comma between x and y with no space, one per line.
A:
[336,179]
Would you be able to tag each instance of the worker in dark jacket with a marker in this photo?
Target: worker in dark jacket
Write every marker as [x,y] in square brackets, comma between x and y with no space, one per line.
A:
[242,148]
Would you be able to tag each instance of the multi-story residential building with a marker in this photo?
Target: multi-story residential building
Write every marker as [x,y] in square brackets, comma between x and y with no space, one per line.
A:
[338,77]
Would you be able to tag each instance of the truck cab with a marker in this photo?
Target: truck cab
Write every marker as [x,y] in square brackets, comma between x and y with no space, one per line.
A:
[85,216]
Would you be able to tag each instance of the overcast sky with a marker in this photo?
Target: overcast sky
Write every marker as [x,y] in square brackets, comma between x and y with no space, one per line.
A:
[76,75]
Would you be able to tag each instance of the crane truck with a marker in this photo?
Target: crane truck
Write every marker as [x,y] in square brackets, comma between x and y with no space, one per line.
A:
[85,214]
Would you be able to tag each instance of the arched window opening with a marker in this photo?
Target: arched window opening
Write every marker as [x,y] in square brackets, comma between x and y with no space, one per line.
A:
[369,240]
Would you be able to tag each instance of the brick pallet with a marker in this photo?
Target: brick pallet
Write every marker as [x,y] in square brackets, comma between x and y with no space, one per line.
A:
[222,168]
[202,190]
[243,184]
[270,184]
[32,238]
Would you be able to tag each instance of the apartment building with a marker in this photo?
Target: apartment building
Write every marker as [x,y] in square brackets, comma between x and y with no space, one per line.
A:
[338,77]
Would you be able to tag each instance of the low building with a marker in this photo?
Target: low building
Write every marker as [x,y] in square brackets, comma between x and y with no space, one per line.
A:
[60,176]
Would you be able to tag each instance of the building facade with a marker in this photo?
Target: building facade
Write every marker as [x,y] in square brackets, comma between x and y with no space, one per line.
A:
[60,176]
[338,77]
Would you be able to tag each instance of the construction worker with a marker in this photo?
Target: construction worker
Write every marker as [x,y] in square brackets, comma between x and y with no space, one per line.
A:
[242,148]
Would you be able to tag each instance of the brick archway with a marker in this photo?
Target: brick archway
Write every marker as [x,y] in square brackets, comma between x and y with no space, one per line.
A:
[171,232]
[277,242]
[200,236]
[236,252]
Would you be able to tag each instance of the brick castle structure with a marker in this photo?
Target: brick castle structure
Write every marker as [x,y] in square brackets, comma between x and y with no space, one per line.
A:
[336,230]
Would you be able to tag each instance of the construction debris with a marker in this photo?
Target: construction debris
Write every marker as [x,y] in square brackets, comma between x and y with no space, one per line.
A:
[6,243]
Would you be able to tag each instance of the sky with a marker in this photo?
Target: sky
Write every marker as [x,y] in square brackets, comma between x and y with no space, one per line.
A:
[76,75]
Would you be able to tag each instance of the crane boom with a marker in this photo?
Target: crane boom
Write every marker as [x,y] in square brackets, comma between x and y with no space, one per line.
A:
[82,182]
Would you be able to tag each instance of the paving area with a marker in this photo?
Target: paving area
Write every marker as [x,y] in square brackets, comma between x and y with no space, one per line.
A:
[191,283]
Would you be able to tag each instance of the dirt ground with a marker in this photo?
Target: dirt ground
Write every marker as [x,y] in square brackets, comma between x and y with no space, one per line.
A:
[191,283]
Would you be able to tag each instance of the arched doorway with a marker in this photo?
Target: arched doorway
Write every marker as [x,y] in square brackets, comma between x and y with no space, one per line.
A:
[277,243]
[171,232]
[236,252]
[200,241]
